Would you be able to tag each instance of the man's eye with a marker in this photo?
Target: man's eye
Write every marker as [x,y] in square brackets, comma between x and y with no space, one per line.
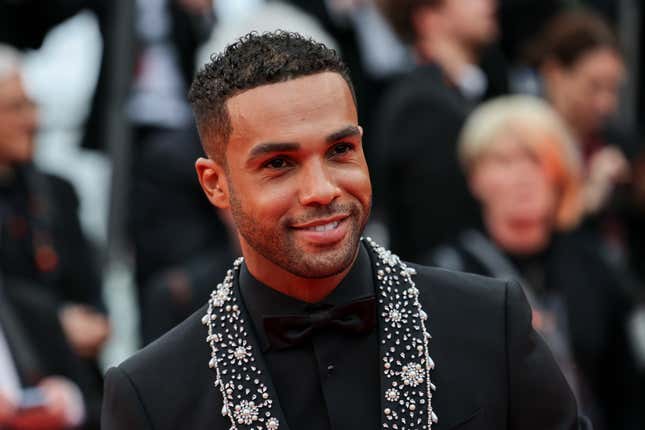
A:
[276,163]
[342,148]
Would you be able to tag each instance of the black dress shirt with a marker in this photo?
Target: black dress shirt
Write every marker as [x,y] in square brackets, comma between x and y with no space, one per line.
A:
[331,381]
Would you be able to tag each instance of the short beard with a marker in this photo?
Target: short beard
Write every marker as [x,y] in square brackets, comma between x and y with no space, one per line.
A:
[278,249]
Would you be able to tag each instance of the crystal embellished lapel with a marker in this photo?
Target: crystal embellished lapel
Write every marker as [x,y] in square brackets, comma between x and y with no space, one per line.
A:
[403,344]
[240,373]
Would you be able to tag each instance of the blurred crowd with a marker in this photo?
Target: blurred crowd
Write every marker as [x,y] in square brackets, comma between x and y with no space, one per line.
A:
[504,138]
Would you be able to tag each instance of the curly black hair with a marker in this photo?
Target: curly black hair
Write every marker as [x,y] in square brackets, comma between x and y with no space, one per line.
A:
[252,61]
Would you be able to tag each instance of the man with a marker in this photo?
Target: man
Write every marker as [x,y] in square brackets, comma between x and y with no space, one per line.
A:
[423,193]
[315,328]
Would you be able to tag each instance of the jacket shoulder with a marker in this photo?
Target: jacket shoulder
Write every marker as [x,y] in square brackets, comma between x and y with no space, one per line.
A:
[461,286]
[172,380]
[184,341]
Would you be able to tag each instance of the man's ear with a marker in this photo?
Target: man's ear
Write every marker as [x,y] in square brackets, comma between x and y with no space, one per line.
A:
[212,178]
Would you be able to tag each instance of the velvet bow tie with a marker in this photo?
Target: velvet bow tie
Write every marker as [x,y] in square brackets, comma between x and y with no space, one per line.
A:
[357,317]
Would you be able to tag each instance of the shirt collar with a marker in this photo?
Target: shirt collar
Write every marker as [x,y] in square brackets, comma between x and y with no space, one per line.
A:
[260,300]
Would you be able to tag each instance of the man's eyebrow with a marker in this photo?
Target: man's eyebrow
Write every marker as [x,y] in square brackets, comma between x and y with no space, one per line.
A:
[270,147]
[348,131]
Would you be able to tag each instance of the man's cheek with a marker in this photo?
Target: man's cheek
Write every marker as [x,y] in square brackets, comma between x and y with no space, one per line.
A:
[356,182]
[271,203]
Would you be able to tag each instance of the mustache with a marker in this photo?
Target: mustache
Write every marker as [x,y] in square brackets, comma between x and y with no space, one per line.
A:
[318,212]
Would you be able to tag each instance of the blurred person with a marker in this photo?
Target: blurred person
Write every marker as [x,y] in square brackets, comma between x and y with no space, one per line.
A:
[583,70]
[161,36]
[170,201]
[316,327]
[164,203]
[167,33]
[424,194]
[525,170]
[42,382]
[41,241]
[148,59]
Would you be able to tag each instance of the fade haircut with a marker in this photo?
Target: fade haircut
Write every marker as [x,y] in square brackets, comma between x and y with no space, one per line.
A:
[252,61]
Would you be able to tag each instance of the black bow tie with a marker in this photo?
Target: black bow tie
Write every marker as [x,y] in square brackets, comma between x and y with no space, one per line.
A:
[357,317]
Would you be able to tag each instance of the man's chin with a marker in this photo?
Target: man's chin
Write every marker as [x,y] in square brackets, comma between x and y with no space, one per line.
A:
[325,263]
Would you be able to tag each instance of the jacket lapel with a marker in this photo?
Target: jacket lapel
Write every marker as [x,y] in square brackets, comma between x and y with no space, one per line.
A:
[406,388]
[249,396]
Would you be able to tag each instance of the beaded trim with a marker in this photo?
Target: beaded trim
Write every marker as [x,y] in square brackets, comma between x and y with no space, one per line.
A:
[404,346]
[406,386]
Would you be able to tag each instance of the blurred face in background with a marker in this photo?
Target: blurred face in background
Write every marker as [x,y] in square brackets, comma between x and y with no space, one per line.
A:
[18,122]
[586,93]
[517,195]
[473,22]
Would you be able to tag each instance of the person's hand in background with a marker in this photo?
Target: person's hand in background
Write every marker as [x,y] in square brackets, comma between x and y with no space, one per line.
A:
[61,408]
[607,168]
[85,329]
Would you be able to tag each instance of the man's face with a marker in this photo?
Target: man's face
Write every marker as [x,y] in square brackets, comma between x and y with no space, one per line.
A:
[589,89]
[297,180]
[18,122]
[474,22]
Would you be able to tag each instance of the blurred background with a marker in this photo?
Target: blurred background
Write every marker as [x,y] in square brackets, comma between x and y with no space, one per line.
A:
[504,137]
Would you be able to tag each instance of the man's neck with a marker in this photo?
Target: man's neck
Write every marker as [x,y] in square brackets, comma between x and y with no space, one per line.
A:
[453,57]
[309,290]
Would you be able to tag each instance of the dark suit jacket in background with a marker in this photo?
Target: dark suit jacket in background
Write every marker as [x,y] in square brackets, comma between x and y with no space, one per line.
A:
[598,299]
[416,174]
[169,208]
[492,370]
[46,206]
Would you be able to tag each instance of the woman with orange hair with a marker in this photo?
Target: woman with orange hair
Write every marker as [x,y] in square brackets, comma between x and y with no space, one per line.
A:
[525,171]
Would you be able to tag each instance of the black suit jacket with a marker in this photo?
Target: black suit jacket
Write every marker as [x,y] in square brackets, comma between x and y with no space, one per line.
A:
[492,370]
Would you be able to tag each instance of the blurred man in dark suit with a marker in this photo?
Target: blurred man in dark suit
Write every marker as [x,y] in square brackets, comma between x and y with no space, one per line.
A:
[417,175]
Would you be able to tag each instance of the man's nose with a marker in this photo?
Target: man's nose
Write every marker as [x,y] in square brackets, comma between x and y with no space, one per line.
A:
[317,185]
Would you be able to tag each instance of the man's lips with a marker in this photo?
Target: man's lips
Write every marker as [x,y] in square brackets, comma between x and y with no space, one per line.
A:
[323,231]
[321,224]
